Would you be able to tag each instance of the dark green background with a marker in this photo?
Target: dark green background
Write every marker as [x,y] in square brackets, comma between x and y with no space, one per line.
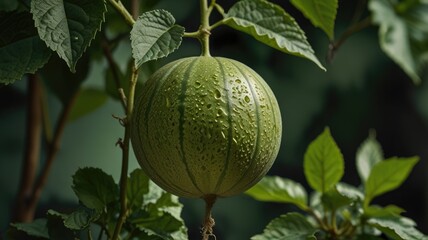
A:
[361,90]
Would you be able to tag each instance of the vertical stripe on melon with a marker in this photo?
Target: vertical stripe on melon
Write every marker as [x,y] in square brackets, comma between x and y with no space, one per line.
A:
[206,126]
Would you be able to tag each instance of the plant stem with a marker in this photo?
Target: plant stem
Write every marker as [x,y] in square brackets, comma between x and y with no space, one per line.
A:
[317,218]
[135,8]
[113,66]
[117,4]
[207,229]
[32,151]
[125,154]
[205,28]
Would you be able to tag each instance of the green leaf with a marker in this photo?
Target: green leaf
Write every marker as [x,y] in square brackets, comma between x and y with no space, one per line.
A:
[161,219]
[80,219]
[161,225]
[333,200]
[403,34]
[21,50]
[154,35]
[94,188]
[368,155]
[321,13]
[289,226]
[88,100]
[397,227]
[323,162]
[56,228]
[37,228]
[138,186]
[387,175]
[271,25]
[377,211]
[350,191]
[368,237]
[16,26]
[167,203]
[277,189]
[8,5]
[68,26]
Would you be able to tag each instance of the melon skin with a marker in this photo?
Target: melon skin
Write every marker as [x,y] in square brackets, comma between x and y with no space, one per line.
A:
[206,126]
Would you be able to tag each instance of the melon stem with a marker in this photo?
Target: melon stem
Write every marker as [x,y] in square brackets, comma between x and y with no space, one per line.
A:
[204,32]
[207,229]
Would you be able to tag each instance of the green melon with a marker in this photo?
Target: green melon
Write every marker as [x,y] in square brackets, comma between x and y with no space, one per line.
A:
[206,126]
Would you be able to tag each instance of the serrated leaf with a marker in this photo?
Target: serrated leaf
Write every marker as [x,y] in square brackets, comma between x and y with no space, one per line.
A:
[15,26]
[377,211]
[88,100]
[350,191]
[323,162]
[154,35]
[368,237]
[333,200]
[161,220]
[37,228]
[289,226]
[397,227]
[167,203]
[321,13]
[94,188]
[403,34]
[277,189]
[387,175]
[56,228]
[21,50]
[138,186]
[68,26]
[80,219]
[271,25]
[368,154]
[162,225]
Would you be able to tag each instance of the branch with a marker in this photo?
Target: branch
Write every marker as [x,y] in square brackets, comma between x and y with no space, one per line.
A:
[129,106]
[135,8]
[113,66]
[334,46]
[32,151]
[125,154]
[117,4]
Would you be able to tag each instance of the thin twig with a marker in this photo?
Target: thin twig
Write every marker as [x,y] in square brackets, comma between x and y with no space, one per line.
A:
[135,8]
[334,46]
[22,211]
[125,154]
[317,218]
[117,4]
[114,68]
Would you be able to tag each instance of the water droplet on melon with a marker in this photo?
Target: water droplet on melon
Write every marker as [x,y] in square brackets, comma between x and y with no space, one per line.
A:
[247,99]
[217,94]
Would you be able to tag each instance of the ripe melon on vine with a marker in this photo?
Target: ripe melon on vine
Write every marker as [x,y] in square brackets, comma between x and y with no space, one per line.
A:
[206,126]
